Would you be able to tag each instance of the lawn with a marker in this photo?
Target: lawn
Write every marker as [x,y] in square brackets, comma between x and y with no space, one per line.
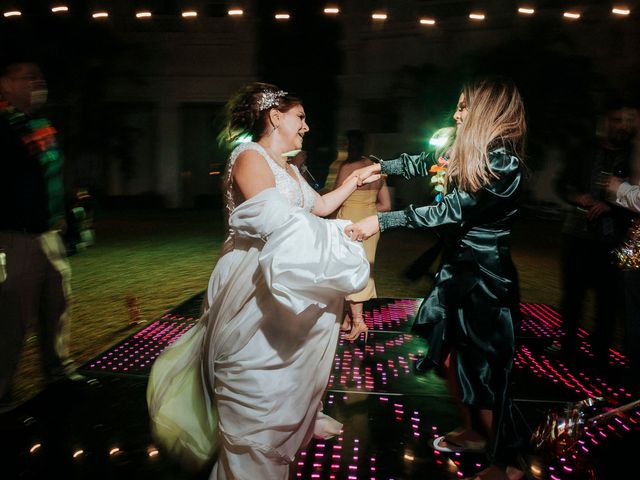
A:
[163,257]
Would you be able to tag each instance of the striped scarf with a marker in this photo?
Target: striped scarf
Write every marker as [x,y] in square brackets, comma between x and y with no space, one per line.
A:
[39,138]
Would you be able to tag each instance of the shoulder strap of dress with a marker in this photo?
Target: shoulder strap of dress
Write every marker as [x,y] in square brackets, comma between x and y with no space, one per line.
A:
[243,147]
[256,147]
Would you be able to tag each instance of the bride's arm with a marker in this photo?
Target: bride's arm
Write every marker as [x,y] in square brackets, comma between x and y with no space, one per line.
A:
[251,174]
[329,202]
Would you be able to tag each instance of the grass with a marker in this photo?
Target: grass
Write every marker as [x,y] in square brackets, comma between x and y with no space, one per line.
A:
[163,258]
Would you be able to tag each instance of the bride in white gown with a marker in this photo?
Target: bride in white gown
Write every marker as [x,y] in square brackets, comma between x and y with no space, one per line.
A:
[246,382]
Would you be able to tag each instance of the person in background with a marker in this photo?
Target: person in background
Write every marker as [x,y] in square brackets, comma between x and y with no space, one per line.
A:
[36,282]
[592,228]
[365,201]
[626,193]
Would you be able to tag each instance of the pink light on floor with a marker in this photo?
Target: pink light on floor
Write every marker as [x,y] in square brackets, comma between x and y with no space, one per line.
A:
[578,381]
[350,456]
[395,315]
[360,365]
[136,354]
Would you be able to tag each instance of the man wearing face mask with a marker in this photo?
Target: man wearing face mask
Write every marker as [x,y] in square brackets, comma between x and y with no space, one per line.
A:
[35,276]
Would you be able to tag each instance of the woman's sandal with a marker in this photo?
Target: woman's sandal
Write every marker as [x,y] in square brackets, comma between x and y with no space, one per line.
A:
[357,327]
[446,445]
[454,441]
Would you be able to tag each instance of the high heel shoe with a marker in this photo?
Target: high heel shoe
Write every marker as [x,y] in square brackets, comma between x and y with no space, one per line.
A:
[357,327]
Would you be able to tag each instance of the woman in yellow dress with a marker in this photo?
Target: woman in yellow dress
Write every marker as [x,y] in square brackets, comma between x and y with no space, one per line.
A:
[367,200]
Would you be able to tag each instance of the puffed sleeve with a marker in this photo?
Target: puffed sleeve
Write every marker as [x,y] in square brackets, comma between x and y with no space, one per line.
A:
[458,207]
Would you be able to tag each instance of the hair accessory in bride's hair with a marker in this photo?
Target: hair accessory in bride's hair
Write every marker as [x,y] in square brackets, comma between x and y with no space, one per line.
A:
[270,99]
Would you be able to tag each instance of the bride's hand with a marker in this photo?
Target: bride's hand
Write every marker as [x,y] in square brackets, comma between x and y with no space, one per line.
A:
[363,229]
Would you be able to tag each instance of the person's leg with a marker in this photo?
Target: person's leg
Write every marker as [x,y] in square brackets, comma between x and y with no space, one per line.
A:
[18,301]
[358,325]
[486,358]
[347,320]
[54,312]
[574,288]
[609,302]
[468,434]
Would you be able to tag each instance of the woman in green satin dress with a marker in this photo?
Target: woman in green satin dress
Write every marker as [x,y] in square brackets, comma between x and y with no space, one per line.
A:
[473,309]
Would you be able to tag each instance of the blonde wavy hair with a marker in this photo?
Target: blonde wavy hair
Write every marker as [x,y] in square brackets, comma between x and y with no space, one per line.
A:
[495,118]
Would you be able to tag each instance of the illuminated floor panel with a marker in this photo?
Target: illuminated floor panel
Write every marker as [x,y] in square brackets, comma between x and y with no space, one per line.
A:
[389,413]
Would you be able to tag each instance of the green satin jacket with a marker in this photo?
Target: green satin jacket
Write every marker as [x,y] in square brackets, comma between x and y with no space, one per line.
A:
[477,278]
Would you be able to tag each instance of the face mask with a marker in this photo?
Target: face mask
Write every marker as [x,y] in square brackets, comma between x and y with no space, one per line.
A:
[38,98]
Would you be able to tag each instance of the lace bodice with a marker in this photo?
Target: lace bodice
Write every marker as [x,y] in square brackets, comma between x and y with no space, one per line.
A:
[299,193]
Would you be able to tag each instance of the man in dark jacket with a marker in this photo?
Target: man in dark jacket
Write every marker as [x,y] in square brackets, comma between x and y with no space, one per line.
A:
[35,284]
[593,228]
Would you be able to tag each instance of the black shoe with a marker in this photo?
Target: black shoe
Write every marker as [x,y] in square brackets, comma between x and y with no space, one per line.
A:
[423,365]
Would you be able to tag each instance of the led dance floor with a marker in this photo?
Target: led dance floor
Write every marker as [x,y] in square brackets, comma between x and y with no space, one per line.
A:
[389,413]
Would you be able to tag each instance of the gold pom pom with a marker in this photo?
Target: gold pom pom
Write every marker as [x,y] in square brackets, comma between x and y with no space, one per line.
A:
[627,255]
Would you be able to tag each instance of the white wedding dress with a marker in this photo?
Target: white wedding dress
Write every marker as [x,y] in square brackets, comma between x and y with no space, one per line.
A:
[247,381]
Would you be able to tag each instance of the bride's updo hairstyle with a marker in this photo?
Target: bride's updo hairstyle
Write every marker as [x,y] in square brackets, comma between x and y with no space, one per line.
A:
[247,113]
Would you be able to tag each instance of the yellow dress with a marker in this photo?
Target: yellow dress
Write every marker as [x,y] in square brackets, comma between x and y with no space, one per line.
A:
[361,204]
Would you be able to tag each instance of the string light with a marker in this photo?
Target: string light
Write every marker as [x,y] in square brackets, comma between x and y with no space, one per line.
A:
[620,11]
[623,11]
[526,11]
[35,448]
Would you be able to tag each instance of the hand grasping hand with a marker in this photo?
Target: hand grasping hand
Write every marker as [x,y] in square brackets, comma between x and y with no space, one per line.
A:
[363,229]
[368,174]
